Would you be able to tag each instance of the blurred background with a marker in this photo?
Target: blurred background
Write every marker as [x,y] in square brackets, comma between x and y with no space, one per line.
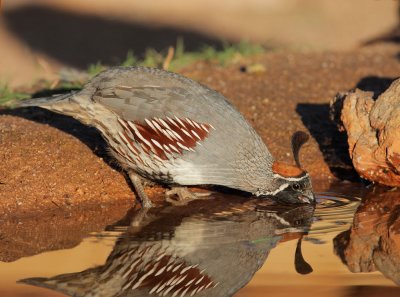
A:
[40,37]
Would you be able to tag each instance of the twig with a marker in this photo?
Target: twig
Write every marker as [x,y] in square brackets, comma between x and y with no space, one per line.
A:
[168,58]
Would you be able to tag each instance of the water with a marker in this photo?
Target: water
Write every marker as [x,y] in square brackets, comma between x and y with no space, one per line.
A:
[222,247]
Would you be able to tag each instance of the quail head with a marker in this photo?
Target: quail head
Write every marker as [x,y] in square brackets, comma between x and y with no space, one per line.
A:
[208,252]
[167,128]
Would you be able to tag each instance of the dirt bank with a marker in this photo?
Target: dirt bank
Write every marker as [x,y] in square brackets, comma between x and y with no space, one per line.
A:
[51,163]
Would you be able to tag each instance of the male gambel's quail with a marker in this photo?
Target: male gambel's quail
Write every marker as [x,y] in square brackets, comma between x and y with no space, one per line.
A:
[170,129]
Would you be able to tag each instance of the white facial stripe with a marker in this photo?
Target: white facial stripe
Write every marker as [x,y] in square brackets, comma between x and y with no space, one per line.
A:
[273,193]
[276,175]
[278,218]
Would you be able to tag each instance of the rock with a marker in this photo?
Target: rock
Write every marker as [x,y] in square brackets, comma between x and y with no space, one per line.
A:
[373,130]
[373,242]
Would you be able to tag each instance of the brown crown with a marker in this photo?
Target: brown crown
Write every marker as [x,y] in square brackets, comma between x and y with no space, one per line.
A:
[287,170]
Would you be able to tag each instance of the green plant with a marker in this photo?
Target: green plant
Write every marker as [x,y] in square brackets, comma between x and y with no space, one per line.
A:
[96,68]
[7,94]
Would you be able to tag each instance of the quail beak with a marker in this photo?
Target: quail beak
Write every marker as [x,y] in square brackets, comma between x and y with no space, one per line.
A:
[307,197]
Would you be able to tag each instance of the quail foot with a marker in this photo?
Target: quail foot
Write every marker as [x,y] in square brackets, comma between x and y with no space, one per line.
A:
[170,129]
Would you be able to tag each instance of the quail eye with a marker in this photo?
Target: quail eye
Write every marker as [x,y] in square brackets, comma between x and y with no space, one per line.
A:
[296,187]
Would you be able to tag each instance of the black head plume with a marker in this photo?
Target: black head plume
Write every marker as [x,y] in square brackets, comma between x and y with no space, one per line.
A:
[300,264]
[298,139]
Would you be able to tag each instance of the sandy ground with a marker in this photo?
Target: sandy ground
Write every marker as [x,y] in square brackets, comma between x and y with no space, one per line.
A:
[58,170]
[81,32]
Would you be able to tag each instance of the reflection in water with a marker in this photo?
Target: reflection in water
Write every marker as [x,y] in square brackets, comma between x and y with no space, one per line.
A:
[207,248]
[373,242]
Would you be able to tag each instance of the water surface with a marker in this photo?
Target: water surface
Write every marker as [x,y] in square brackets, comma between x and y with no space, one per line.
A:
[349,245]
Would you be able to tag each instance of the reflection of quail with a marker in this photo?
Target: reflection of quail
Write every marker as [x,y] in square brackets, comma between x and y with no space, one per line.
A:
[176,255]
[168,128]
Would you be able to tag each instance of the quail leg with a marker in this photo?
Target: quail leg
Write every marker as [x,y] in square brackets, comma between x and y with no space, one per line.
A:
[184,195]
[137,183]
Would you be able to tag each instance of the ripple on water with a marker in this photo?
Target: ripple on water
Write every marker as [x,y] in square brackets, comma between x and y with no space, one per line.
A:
[334,212]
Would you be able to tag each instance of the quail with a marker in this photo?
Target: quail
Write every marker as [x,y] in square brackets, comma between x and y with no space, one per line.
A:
[181,252]
[164,127]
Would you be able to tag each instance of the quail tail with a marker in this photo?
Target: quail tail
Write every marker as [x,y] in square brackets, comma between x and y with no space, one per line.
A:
[70,284]
[45,102]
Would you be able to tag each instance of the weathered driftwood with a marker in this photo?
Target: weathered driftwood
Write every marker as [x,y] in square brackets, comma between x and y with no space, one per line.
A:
[373,130]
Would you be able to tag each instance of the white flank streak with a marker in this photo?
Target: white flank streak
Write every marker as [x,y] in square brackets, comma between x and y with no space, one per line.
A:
[172,279]
[216,284]
[175,281]
[167,148]
[166,134]
[181,279]
[209,285]
[177,135]
[177,267]
[201,288]
[194,292]
[204,127]
[198,143]
[169,267]
[127,285]
[157,125]
[158,158]
[167,290]
[199,280]
[212,126]
[182,146]
[188,284]
[160,271]
[128,144]
[197,125]
[161,288]
[123,137]
[180,122]
[172,134]
[187,133]
[160,257]
[189,121]
[164,123]
[177,292]
[192,150]
[172,122]
[195,134]
[150,124]
[130,270]
[122,123]
[186,269]
[143,278]
[154,288]
[140,135]
[157,143]
[184,292]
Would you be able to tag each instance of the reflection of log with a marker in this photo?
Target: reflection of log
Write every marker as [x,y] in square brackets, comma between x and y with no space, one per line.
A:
[373,129]
[373,243]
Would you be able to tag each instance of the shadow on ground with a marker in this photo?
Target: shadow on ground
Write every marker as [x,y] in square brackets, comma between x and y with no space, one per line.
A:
[90,136]
[332,142]
[375,84]
[79,40]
